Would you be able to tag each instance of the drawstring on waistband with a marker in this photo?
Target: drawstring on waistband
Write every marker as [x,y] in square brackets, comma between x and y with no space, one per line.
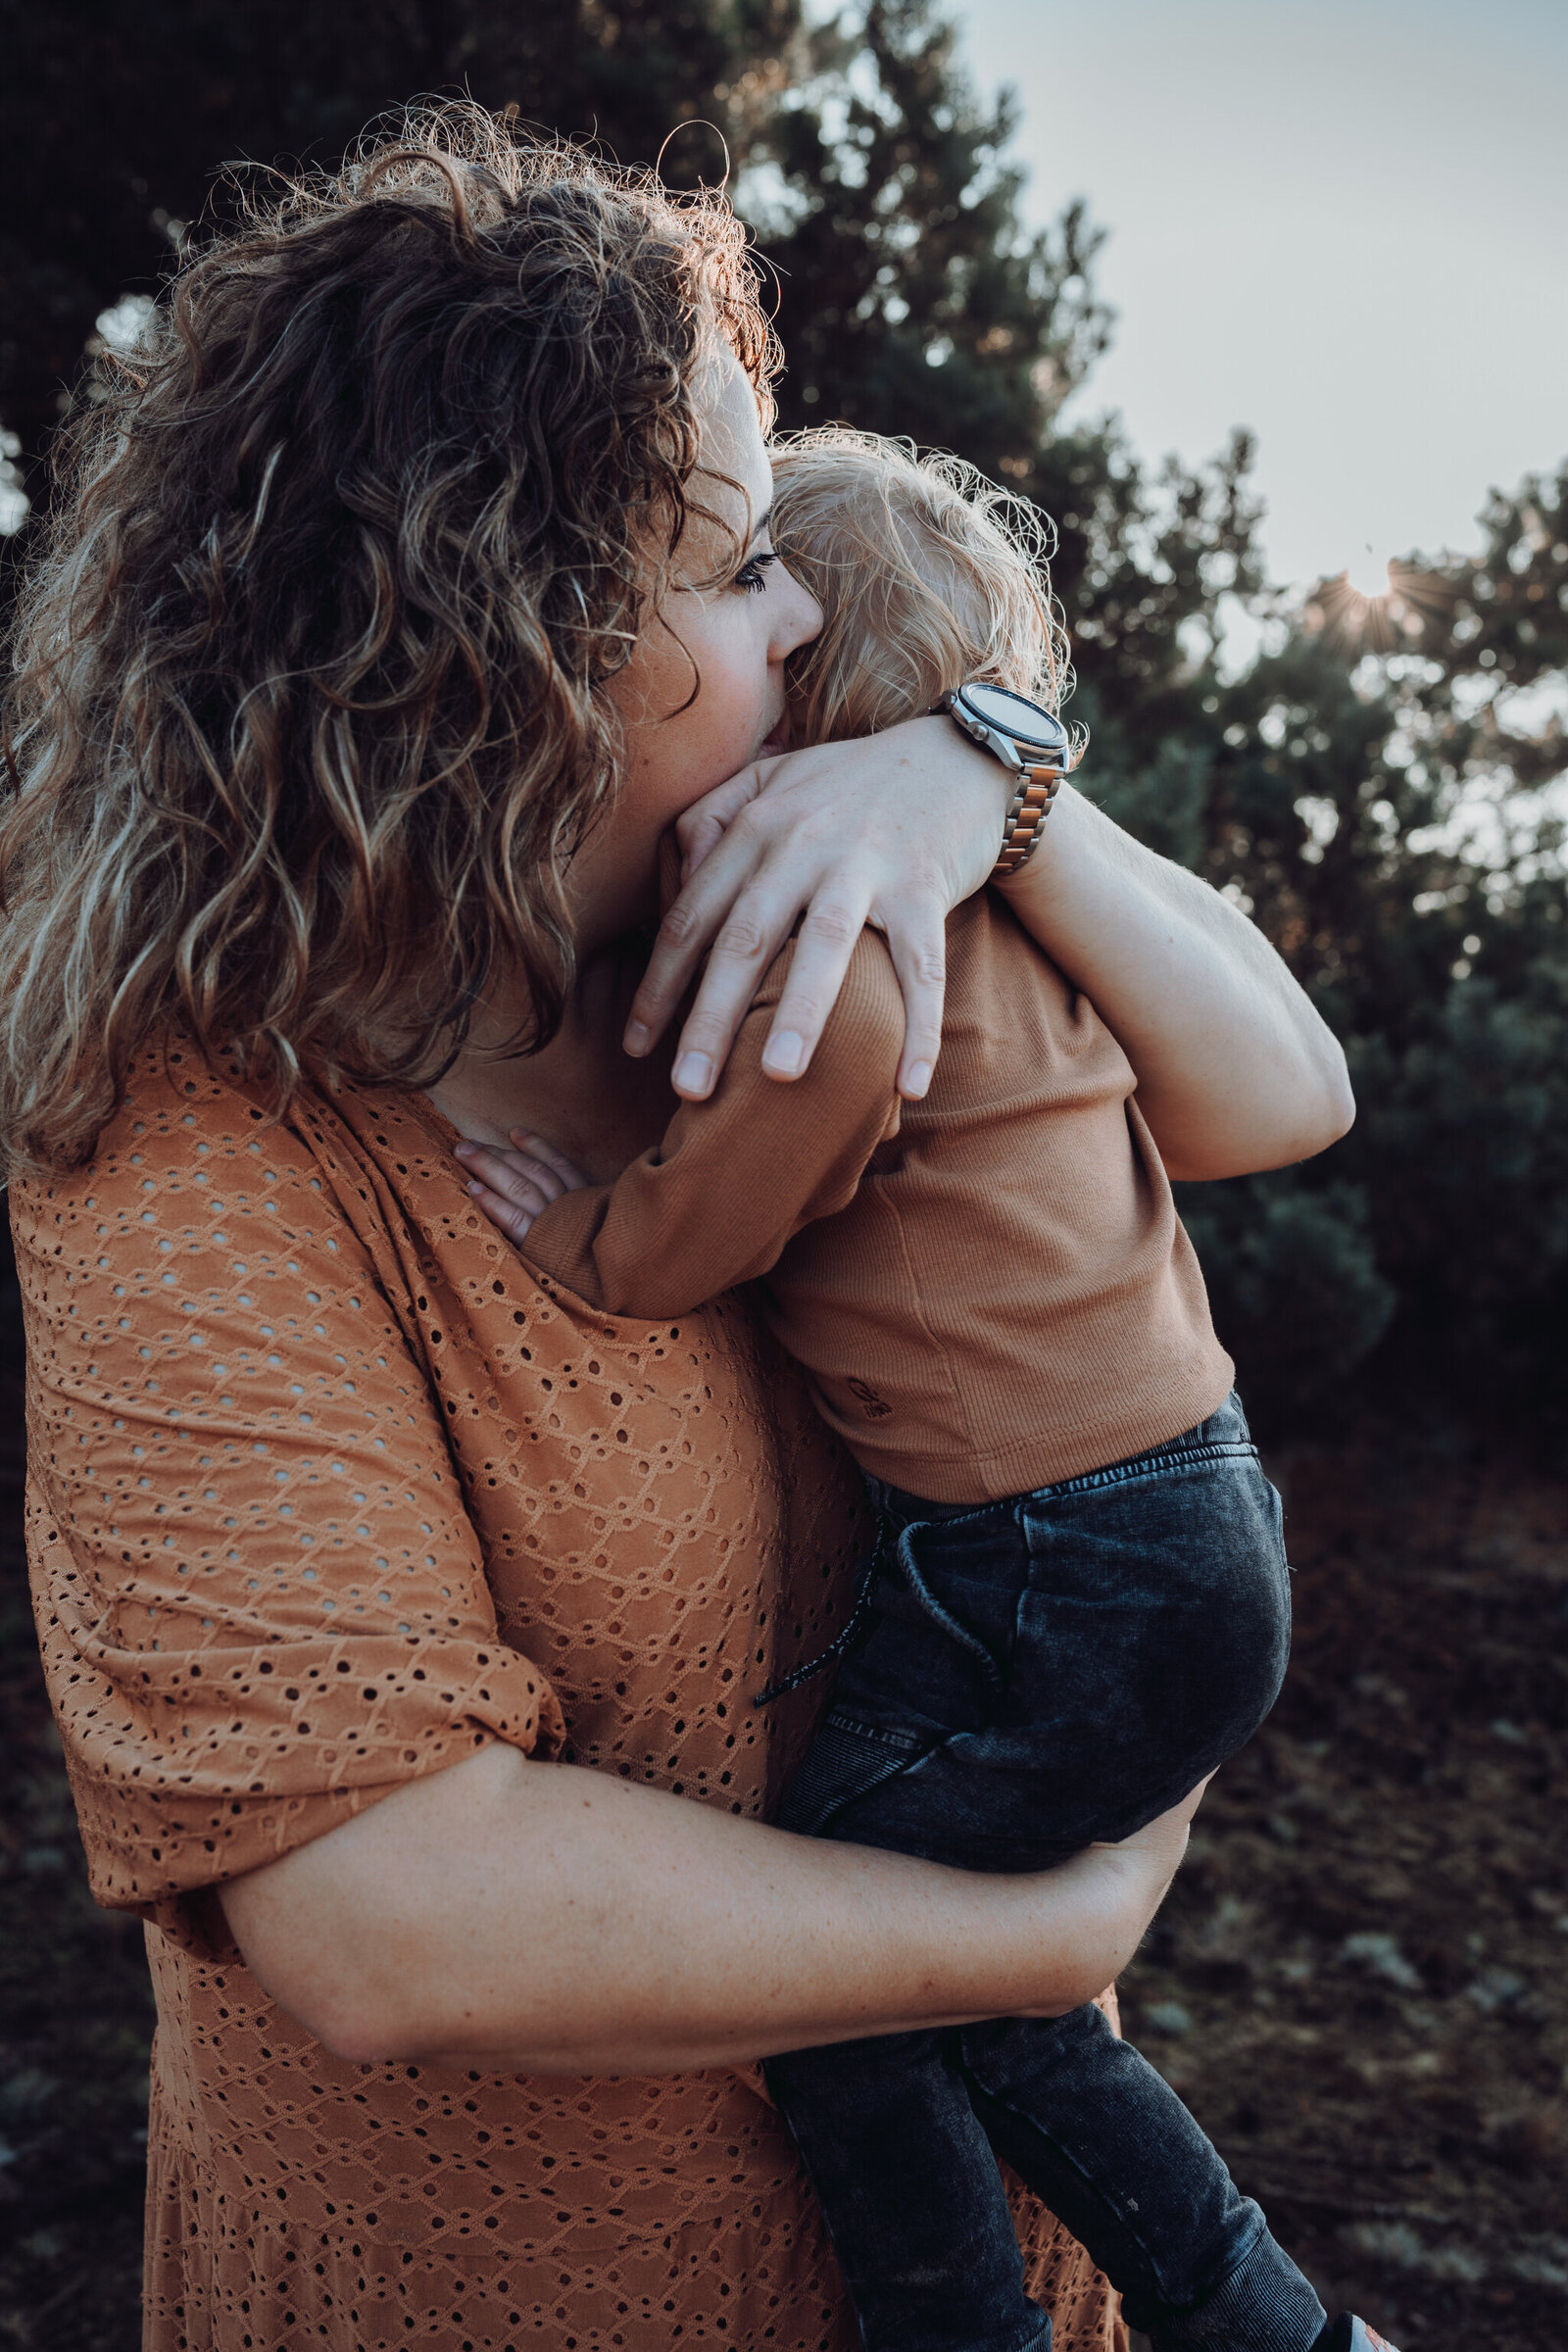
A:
[904,1553]
[857,1618]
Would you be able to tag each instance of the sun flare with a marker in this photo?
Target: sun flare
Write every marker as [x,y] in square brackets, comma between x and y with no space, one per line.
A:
[1374,608]
[1369,575]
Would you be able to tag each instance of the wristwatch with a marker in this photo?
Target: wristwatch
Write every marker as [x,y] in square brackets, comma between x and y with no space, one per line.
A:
[1029,741]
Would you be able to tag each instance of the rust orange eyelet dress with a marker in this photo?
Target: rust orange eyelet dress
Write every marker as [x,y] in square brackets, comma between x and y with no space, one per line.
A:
[327,1490]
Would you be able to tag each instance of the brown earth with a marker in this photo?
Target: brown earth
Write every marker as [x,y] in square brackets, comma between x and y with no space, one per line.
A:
[1360,1981]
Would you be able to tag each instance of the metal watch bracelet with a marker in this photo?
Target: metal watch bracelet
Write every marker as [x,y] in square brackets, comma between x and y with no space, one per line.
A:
[1026,820]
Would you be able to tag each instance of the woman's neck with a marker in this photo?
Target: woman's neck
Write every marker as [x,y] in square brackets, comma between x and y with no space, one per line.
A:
[581,1092]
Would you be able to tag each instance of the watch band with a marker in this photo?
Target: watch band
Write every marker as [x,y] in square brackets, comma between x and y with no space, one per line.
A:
[1026,820]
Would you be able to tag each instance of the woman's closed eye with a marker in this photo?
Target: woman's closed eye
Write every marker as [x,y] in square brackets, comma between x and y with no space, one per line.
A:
[752,576]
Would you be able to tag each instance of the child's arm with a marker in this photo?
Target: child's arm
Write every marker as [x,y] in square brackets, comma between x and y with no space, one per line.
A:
[715,1203]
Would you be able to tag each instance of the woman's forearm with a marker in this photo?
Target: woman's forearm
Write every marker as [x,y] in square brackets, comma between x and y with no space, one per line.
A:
[1235,1070]
[553,1920]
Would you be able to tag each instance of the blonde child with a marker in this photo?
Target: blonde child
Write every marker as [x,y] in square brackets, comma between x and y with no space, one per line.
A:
[1078,1604]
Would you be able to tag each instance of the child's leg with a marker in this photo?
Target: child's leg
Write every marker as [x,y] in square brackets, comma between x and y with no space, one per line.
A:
[897,2135]
[1105,2141]
[905,2176]
[1041,1673]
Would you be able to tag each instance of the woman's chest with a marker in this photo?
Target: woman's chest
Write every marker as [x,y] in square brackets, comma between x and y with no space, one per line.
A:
[666,1525]
[581,1092]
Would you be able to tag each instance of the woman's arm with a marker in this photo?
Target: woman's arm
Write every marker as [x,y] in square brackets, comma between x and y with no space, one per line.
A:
[546,1918]
[1236,1071]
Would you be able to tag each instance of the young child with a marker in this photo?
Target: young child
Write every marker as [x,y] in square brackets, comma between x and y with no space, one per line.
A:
[1078,1606]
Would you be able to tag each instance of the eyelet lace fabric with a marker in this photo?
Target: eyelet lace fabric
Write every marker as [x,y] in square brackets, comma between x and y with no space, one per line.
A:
[326,1491]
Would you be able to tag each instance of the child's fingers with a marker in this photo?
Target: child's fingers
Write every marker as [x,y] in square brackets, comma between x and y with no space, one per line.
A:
[508,1219]
[548,1164]
[517,1177]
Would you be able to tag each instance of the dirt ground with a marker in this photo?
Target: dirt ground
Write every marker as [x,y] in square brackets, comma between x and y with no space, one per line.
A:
[1359,1984]
[1360,1981]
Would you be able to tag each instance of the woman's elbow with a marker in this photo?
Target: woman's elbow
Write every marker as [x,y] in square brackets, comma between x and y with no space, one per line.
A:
[356,2013]
[352,2028]
[348,2010]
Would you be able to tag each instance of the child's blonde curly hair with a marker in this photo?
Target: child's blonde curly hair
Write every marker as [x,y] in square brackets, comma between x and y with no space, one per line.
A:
[927,575]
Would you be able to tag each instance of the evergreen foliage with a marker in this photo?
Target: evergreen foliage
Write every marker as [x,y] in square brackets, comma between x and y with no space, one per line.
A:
[1376,785]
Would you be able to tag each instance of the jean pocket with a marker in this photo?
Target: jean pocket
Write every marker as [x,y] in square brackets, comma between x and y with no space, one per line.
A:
[844,1760]
[1279,1527]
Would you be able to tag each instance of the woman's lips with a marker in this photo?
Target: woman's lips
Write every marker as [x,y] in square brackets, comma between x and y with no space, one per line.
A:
[772,745]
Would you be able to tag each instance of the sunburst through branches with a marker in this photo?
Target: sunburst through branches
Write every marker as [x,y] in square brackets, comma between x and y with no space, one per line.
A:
[1377,612]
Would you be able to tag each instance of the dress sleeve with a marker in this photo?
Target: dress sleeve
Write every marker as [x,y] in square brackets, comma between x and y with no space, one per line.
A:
[733,1179]
[262,1603]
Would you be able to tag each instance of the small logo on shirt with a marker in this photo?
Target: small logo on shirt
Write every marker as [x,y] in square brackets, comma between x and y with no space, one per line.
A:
[874,1407]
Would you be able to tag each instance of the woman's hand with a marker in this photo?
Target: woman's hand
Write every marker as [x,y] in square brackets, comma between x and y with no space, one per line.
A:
[893,831]
[512,1185]
[1135,1878]
[1235,1070]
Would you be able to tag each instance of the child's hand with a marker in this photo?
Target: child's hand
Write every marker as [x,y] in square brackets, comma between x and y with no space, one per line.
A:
[512,1185]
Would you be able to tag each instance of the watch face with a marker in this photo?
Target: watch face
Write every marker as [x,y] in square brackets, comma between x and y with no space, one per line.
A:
[1015,715]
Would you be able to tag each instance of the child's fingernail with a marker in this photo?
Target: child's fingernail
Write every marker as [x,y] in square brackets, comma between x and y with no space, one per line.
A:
[478,1190]
[919,1078]
[463,1151]
[694,1074]
[635,1040]
[782,1054]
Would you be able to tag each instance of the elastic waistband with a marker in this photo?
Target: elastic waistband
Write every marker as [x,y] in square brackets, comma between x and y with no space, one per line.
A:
[1223,1436]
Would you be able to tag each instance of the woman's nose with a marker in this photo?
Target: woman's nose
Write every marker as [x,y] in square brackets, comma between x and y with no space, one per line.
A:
[799,618]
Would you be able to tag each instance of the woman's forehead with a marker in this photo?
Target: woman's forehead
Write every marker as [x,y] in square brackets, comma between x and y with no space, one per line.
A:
[731,442]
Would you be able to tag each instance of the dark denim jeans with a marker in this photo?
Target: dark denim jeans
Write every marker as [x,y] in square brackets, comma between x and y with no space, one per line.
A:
[1036,1674]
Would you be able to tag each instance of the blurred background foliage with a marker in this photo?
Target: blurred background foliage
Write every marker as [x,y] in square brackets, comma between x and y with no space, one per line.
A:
[1373,781]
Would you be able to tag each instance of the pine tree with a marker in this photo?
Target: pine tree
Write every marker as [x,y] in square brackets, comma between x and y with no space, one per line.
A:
[116,115]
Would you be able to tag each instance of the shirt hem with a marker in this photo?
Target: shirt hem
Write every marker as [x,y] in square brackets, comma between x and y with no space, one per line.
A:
[1046,1458]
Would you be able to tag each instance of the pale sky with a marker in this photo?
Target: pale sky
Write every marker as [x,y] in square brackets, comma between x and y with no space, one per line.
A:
[1341,222]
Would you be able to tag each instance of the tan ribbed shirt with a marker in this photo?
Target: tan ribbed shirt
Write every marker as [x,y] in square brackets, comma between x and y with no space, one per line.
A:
[989,1288]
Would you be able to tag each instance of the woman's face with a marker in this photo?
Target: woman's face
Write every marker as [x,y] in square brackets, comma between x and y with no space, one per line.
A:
[729,621]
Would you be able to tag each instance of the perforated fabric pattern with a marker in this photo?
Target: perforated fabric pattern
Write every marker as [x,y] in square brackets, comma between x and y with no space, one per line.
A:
[325,1490]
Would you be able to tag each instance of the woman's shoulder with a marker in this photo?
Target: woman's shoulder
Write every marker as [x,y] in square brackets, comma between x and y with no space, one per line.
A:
[181,1121]
[196,1158]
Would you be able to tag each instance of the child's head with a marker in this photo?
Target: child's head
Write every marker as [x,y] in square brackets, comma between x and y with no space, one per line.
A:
[927,576]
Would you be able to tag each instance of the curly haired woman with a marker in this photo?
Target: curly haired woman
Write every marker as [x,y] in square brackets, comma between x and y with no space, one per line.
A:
[402,1613]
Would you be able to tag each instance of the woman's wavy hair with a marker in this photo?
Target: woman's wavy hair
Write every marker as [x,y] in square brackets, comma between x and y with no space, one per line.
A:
[308,709]
[927,574]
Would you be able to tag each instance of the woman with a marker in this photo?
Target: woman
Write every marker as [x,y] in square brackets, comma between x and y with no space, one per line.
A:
[396,1607]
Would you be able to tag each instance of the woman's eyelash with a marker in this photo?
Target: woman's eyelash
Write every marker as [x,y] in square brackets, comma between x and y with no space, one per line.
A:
[752,574]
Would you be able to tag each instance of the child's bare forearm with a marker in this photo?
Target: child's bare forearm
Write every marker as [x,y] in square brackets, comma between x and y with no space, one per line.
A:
[1235,1070]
